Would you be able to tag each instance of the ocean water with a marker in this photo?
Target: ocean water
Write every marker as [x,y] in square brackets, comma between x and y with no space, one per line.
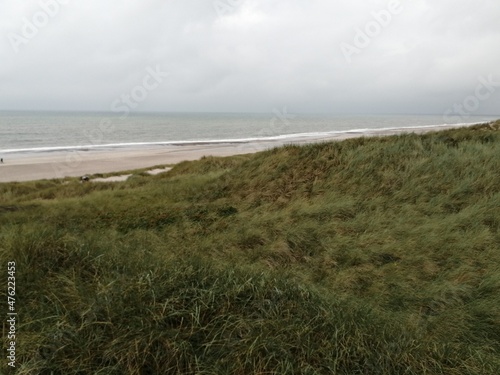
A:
[45,132]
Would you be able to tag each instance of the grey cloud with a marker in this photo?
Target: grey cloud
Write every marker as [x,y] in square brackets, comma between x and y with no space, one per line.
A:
[258,55]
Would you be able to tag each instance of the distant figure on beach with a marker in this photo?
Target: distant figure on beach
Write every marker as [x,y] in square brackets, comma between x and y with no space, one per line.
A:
[1,160]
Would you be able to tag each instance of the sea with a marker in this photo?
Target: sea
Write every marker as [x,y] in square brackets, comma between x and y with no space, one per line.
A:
[28,133]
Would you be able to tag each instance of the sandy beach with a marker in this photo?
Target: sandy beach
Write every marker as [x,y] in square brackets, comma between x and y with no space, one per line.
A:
[78,163]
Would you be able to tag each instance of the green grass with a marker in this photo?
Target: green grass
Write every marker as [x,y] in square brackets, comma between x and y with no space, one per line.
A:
[368,256]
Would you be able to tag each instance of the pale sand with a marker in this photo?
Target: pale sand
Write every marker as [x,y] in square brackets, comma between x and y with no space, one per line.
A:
[124,177]
[112,178]
[154,172]
[76,164]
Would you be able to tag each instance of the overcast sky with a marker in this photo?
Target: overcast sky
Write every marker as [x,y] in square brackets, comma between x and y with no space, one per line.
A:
[344,57]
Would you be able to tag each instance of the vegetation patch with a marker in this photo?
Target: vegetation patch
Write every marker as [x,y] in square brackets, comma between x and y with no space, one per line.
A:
[368,256]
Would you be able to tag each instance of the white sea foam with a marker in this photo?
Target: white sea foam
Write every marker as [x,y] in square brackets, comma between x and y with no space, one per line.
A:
[42,133]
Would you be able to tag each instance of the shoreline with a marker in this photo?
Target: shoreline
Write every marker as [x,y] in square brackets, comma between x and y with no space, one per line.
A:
[76,163]
[205,142]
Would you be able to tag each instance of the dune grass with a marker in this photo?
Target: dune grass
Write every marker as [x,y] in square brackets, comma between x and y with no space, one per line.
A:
[368,256]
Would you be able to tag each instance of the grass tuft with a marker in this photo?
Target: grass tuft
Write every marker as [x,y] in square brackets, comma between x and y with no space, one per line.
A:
[368,256]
